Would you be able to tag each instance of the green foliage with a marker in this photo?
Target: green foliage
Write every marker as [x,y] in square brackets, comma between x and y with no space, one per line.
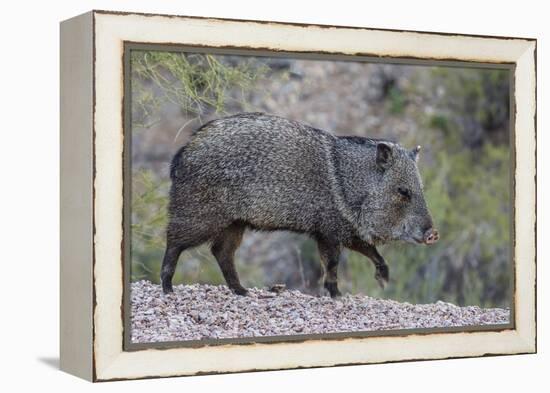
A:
[440,122]
[481,97]
[148,220]
[397,101]
[192,81]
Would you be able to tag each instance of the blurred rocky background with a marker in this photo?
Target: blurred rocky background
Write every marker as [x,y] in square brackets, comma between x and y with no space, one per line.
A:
[460,116]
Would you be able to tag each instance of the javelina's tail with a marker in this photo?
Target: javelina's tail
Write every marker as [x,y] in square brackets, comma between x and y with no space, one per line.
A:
[176,162]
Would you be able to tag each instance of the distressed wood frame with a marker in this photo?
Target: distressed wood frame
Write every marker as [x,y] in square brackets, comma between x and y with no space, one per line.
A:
[92,189]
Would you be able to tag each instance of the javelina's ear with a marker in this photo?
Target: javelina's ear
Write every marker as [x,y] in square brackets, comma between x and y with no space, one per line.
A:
[384,155]
[415,153]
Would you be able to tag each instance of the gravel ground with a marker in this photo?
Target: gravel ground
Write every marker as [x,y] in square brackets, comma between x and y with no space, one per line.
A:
[195,312]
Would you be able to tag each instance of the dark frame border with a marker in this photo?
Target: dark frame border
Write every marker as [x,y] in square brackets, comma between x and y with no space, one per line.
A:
[129,46]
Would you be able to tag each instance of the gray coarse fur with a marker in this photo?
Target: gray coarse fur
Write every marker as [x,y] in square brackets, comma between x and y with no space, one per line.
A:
[265,172]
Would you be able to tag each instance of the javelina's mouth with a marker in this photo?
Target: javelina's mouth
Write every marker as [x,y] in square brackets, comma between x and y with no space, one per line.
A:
[413,239]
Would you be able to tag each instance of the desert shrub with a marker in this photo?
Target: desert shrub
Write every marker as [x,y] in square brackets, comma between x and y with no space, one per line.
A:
[196,83]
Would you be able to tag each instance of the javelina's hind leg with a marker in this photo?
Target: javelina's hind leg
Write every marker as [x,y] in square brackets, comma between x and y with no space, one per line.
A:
[382,274]
[223,248]
[330,256]
[169,262]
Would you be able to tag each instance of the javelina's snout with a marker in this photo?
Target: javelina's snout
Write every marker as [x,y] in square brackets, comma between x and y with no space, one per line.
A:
[431,236]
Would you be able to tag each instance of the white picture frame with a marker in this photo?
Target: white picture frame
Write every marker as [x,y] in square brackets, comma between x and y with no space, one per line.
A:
[92,194]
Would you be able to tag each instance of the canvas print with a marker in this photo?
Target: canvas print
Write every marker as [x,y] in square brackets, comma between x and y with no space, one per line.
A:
[278,197]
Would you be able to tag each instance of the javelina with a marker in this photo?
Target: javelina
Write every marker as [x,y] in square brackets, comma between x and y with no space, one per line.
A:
[265,172]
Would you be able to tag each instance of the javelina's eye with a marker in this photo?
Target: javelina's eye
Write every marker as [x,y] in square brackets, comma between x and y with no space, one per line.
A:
[405,193]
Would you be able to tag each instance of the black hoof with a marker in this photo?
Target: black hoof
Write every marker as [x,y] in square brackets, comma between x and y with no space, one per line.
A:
[332,289]
[167,287]
[239,291]
[336,294]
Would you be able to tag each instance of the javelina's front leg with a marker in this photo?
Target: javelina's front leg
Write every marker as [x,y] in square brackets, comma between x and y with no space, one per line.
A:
[330,256]
[382,274]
